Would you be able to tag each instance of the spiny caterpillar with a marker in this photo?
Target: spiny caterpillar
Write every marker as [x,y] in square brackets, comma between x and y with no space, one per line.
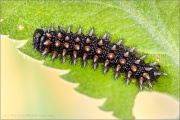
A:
[100,50]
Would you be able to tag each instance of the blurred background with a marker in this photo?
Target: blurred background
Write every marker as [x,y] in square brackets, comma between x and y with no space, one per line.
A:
[30,90]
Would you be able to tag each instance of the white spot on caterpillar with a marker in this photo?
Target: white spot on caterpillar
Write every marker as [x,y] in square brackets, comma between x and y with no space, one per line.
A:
[1,20]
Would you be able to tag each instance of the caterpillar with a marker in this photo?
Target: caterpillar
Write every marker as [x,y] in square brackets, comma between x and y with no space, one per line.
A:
[113,55]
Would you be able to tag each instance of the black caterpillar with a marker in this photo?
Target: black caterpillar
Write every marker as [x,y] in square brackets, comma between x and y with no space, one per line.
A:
[101,50]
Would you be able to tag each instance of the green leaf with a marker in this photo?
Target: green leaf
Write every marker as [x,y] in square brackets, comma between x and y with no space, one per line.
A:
[151,26]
